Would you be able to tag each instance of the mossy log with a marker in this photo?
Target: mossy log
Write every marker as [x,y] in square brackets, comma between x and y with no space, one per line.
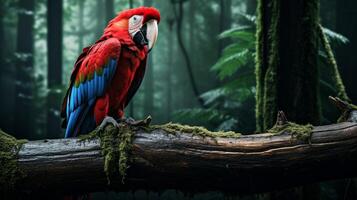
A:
[164,159]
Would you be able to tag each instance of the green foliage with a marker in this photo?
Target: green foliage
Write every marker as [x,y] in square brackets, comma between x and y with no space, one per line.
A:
[235,96]
[238,54]
[235,68]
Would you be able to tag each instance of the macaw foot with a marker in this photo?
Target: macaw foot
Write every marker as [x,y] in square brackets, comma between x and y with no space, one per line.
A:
[133,122]
[108,120]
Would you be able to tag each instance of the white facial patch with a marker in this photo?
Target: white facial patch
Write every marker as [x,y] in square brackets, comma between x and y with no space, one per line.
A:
[135,23]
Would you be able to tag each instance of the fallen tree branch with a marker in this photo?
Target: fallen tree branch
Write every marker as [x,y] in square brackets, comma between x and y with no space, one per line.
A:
[163,159]
[191,159]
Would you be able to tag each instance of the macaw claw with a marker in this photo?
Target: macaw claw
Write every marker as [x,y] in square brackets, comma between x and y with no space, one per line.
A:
[133,122]
[108,120]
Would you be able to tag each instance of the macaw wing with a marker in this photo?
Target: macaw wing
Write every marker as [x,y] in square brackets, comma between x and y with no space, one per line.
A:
[135,84]
[89,81]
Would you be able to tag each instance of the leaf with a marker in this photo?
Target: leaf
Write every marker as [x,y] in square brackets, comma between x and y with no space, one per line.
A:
[228,65]
[212,95]
[245,33]
[244,80]
[237,47]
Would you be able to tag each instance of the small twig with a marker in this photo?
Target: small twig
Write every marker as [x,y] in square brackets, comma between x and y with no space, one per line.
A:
[349,111]
[339,103]
[281,119]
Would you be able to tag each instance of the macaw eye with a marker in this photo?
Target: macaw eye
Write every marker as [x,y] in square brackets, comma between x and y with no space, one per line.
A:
[135,20]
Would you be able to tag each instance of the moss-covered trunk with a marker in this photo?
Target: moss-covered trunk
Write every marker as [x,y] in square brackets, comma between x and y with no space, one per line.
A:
[286,69]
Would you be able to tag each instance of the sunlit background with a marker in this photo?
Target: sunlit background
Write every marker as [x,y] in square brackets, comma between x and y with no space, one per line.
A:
[201,71]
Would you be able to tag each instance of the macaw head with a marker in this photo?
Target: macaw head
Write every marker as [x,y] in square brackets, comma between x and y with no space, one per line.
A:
[140,24]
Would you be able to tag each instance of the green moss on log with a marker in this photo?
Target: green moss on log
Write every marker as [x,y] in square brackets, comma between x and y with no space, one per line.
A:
[301,132]
[116,144]
[9,170]
[173,128]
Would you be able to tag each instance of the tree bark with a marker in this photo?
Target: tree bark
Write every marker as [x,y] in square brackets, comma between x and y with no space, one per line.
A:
[54,69]
[163,160]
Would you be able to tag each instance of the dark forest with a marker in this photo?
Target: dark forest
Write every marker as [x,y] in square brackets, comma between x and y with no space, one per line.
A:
[220,69]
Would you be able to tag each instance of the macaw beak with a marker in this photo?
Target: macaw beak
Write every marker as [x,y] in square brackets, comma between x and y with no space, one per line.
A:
[151,33]
[147,35]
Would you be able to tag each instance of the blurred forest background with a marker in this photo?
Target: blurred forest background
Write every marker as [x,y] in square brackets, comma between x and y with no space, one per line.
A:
[201,71]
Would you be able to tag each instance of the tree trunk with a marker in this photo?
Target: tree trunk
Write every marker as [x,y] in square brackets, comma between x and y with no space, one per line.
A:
[225,22]
[345,12]
[100,18]
[163,159]
[54,70]
[169,70]
[287,50]
[23,124]
[287,70]
[109,10]
[80,25]
[2,54]
[179,17]
[2,38]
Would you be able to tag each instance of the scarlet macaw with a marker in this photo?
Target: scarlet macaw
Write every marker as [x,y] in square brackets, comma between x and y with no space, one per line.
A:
[108,73]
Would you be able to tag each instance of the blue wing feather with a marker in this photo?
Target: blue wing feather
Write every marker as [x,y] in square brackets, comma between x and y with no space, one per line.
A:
[82,98]
[73,117]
